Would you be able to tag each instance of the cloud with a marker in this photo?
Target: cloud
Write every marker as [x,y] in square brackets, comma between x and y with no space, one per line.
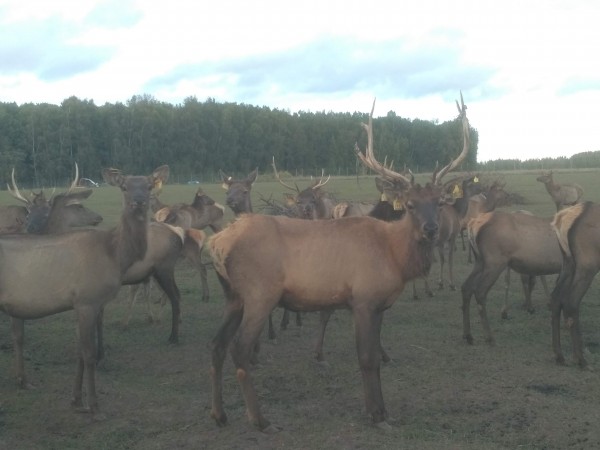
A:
[576,85]
[337,66]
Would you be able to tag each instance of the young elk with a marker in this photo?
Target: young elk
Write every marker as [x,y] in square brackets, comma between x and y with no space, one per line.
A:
[358,263]
[563,195]
[579,237]
[501,240]
[92,263]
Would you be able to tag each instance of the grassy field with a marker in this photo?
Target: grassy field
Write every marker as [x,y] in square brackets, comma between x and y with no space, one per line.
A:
[440,392]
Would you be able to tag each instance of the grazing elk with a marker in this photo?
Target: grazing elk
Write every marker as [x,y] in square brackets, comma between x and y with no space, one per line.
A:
[92,263]
[501,240]
[358,263]
[563,195]
[579,237]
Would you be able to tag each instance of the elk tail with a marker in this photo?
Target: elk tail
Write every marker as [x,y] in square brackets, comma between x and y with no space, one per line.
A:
[563,223]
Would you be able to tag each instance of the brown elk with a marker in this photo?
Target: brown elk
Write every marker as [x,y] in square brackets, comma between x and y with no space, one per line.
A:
[201,213]
[501,240]
[92,263]
[13,218]
[311,202]
[358,263]
[238,192]
[577,231]
[563,195]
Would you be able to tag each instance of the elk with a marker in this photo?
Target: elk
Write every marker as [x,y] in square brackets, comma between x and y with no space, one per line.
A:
[311,202]
[501,240]
[92,263]
[357,263]
[201,213]
[13,218]
[563,195]
[577,231]
[238,192]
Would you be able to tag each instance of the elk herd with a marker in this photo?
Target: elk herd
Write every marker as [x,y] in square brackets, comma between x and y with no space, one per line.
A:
[320,256]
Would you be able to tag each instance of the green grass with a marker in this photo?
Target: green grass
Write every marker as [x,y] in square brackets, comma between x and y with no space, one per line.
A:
[440,392]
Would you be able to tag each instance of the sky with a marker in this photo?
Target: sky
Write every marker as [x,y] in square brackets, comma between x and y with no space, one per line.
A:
[529,70]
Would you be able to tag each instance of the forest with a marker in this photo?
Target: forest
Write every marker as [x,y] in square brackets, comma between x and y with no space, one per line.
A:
[199,138]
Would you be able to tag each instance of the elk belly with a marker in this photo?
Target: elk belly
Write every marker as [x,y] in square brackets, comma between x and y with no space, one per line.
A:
[306,299]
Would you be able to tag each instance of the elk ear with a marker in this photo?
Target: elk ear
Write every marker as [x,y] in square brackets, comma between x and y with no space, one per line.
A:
[114,177]
[160,176]
[251,178]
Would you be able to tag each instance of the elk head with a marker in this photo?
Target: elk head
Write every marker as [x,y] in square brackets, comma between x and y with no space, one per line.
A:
[238,192]
[310,203]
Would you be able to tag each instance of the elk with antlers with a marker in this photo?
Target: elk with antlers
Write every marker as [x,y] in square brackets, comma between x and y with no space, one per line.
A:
[92,264]
[563,195]
[358,263]
[579,237]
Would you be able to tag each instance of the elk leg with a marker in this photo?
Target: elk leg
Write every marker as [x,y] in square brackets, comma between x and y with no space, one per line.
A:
[451,265]
[100,336]
[271,333]
[506,306]
[528,282]
[467,289]
[231,322]
[485,282]
[556,307]
[204,282]
[166,281]
[86,322]
[442,261]
[323,320]
[298,319]
[18,333]
[133,293]
[285,319]
[581,283]
[368,347]
[241,351]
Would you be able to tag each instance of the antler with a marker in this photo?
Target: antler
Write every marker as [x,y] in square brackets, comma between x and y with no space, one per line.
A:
[462,113]
[75,181]
[14,191]
[321,183]
[297,189]
[368,158]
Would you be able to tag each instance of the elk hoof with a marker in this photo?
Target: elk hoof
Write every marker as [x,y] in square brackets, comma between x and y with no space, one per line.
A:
[220,419]
[452,287]
[468,338]
[384,426]
[560,360]
[271,429]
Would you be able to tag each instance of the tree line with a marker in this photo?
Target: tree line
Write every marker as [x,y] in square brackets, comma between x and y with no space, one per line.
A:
[198,138]
[43,141]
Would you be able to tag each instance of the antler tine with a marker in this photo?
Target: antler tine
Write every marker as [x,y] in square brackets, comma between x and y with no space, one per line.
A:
[368,158]
[466,143]
[321,183]
[14,191]
[75,181]
[280,180]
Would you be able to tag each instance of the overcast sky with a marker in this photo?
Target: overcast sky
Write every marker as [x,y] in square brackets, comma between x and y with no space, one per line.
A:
[529,70]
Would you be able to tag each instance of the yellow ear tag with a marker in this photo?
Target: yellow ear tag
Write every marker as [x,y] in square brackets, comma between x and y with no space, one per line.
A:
[475,180]
[398,205]
[457,191]
[225,186]
[383,197]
